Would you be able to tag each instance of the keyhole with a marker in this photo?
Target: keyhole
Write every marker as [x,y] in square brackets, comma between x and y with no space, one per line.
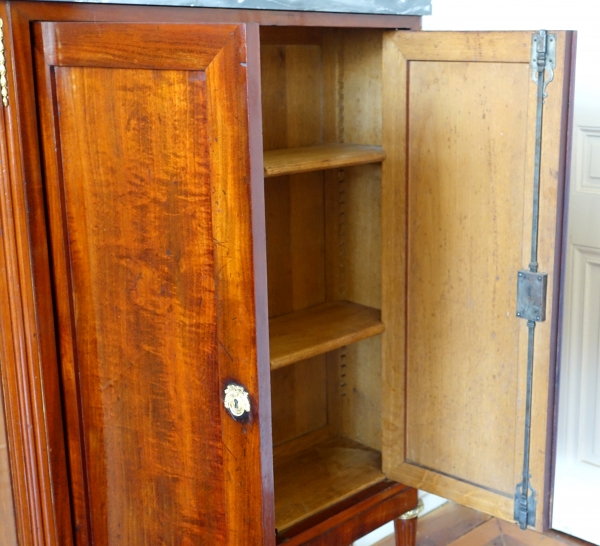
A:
[236,403]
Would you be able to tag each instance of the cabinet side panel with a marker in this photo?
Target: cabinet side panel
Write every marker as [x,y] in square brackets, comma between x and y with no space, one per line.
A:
[359,113]
[292,98]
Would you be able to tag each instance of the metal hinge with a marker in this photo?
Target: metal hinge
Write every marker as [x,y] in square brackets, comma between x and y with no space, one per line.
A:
[532,285]
[543,57]
[3,80]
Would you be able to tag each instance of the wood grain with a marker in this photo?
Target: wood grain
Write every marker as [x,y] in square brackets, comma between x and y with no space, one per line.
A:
[464,250]
[138,219]
[35,416]
[319,329]
[30,371]
[8,531]
[316,158]
[321,476]
[299,399]
[352,518]
[405,531]
[158,14]
[467,170]
[81,44]
[496,531]
[455,525]
[491,47]
[292,117]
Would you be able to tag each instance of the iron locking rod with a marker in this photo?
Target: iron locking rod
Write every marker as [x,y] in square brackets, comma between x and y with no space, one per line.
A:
[531,305]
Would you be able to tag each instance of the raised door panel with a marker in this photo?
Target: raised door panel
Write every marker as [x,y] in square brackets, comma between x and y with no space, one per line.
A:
[153,210]
[458,196]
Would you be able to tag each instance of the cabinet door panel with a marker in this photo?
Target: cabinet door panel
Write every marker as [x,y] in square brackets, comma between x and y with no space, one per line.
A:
[458,195]
[148,182]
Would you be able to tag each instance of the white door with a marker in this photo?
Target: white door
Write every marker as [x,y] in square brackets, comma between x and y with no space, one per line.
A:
[577,478]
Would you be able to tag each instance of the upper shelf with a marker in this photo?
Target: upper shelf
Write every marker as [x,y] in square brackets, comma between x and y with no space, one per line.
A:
[317,330]
[316,158]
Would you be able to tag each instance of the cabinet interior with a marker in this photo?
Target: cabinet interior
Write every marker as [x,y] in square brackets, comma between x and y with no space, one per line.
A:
[322,140]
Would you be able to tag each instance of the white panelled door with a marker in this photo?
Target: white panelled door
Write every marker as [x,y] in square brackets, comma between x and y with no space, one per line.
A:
[577,479]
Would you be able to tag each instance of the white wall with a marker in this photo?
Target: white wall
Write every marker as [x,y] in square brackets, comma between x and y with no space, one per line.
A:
[580,15]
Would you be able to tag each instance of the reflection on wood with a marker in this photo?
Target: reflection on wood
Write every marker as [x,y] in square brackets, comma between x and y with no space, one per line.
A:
[316,158]
[315,479]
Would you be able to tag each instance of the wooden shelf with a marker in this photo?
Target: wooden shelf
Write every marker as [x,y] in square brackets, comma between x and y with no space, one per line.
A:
[319,329]
[316,158]
[321,476]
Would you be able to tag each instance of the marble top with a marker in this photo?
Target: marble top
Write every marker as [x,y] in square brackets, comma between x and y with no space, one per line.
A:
[386,7]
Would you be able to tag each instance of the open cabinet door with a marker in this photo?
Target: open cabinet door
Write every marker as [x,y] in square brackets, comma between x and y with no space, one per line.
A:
[459,132]
[153,182]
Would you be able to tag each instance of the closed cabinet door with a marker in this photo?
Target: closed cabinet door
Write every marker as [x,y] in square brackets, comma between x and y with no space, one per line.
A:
[153,209]
[460,136]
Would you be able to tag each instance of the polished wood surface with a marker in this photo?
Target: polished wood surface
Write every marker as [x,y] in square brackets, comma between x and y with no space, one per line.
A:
[351,519]
[466,159]
[338,234]
[316,158]
[32,10]
[313,480]
[29,364]
[320,329]
[152,248]
[455,525]
[8,530]
[405,531]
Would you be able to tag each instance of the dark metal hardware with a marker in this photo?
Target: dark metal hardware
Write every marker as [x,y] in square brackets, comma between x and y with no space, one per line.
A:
[531,285]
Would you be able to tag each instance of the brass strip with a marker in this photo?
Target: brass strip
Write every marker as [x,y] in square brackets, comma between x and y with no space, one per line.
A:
[3,80]
[414,513]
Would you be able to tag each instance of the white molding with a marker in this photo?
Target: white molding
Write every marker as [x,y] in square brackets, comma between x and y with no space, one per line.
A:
[586,164]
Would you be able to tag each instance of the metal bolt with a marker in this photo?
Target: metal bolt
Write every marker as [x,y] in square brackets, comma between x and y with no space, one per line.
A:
[539,278]
[518,314]
[537,318]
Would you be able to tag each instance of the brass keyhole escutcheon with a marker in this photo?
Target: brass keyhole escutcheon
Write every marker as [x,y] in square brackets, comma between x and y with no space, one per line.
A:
[236,400]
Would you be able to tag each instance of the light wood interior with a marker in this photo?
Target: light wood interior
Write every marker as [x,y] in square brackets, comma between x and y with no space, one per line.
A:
[320,476]
[453,199]
[460,114]
[316,158]
[320,329]
[322,140]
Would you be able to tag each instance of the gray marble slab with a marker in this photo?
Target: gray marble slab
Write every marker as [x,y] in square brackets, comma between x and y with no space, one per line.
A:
[389,7]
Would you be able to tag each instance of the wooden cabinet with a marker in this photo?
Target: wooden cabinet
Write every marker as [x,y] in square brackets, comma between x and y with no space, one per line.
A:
[357,279]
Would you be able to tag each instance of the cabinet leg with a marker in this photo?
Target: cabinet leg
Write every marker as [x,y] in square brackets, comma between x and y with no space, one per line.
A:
[406,526]
[406,531]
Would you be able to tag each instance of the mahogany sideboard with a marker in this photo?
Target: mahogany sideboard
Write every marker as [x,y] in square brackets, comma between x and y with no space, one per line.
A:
[258,270]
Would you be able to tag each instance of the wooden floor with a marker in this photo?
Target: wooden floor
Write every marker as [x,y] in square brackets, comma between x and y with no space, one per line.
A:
[455,525]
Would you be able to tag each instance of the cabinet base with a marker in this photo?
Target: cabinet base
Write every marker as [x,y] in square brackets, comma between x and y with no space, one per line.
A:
[356,516]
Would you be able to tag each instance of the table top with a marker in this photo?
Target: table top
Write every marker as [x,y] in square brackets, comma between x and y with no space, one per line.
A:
[384,7]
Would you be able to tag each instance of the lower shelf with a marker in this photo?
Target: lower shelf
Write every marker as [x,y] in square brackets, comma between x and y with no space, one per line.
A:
[315,479]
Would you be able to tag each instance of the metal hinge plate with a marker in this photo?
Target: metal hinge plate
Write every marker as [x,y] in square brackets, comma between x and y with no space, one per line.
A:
[531,295]
[543,57]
